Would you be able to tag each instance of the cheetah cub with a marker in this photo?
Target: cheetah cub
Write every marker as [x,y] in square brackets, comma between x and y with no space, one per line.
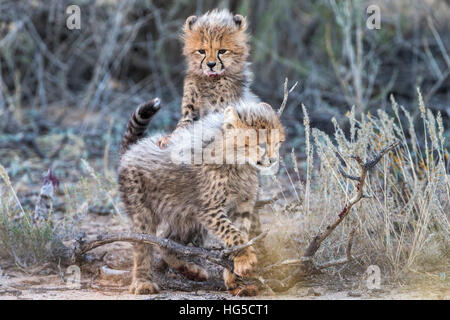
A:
[216,50]
[207,176]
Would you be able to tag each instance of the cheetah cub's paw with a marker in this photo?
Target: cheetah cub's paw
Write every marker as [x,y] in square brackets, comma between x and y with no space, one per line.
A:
[245,261]
[193,272]
[236,287]
[143,287]
[229,279]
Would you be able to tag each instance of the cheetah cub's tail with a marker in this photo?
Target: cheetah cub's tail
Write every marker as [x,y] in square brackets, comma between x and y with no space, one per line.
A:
[138,123]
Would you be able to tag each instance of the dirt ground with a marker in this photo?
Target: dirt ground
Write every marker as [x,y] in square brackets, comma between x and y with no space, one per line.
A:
[48,282]
[21,286]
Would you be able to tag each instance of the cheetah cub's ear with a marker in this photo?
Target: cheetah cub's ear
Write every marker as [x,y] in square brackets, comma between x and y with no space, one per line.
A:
[230,118]
[240,22]
[190,23]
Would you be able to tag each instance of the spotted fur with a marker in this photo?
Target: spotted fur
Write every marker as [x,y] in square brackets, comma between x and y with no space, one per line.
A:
[138,123]
[209,89]
[192,199]
[219,39]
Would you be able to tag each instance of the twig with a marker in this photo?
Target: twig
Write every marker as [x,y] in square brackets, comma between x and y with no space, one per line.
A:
[346,175]
[285,96]
[261,203]
[284,263]
[114,273]
[365,167]
[348,253]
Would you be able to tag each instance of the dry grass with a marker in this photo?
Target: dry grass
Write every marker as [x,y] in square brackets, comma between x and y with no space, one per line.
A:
[30,243]
[404,223]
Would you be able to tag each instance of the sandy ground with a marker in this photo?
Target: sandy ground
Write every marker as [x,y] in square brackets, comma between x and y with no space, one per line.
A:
[18,285]
[60,292]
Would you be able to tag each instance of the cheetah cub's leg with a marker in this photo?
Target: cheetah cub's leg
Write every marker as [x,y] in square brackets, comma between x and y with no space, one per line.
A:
[242,218]
[143,255]
[186,268]
[217,221]
[189,109]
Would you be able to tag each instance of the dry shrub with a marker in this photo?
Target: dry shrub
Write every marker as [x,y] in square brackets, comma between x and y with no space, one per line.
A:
[403,224]
[32,243]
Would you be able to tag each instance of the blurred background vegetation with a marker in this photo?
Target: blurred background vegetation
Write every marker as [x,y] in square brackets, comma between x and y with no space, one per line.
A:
[89,80]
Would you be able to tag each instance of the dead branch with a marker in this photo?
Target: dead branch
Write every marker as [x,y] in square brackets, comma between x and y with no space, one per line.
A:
[220,256]
[365,167]
[302,260]
[107,273]
[284,263]
[348,253]
[261,203]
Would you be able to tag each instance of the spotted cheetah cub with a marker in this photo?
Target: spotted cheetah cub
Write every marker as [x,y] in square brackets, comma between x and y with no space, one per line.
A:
[205,177]
[216,50]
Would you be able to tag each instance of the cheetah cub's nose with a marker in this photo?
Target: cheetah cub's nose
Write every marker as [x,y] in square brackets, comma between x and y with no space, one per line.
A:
[211,64]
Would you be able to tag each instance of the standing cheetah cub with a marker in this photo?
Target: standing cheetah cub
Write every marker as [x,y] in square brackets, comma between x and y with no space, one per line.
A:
[216,50]
[166,187]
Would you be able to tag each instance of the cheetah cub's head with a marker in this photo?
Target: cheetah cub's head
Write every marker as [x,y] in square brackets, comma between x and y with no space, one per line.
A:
[253,135]
[216,43]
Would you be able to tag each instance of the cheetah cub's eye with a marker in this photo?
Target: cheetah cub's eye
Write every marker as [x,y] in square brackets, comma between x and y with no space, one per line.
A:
[222,51]
[201,51]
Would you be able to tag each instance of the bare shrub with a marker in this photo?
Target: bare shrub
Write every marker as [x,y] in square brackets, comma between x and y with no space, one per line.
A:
[403,223]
